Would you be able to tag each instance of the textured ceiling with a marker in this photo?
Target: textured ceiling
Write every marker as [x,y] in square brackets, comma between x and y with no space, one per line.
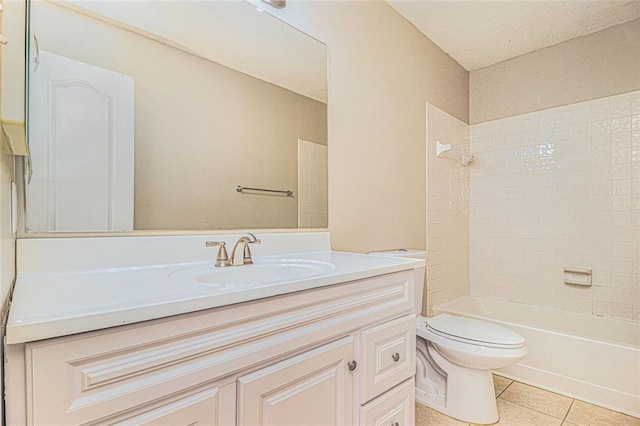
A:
[232,33]
[481,33]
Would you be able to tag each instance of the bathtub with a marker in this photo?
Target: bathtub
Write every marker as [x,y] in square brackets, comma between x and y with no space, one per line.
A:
[591,358]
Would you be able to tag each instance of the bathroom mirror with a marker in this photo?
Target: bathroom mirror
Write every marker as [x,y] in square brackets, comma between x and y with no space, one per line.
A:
[148,115]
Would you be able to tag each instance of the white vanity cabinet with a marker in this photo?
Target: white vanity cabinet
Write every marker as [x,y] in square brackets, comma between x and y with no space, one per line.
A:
[208,406]
[315,387]
[395,407]
[388,356]
[336,355]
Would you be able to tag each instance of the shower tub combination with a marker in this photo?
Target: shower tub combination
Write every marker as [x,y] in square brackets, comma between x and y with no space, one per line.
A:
[590,358]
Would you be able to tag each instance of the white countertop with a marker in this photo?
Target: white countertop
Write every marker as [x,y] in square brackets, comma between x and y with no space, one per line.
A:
[58,303]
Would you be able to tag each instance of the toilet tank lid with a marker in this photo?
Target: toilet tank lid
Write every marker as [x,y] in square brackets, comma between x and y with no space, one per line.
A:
[410,253]
[475,330]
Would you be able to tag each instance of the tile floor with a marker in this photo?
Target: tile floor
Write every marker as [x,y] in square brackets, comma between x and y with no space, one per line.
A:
[524,405]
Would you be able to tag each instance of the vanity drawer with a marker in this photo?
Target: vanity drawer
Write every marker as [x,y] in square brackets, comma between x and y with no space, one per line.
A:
[395,407]
[388,356]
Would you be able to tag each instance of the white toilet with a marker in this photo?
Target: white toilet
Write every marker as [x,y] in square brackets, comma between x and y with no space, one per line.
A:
[454,359]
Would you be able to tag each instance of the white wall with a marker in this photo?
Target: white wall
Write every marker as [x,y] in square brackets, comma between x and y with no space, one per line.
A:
[7,238]
[559,188]
[447,211]
[601,64]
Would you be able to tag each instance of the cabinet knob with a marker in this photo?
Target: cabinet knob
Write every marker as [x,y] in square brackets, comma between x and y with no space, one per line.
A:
[395,424]
[352,365]
[395,357]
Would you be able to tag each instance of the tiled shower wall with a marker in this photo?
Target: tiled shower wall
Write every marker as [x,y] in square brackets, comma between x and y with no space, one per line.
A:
[447,211]
[553,189]
[312,185]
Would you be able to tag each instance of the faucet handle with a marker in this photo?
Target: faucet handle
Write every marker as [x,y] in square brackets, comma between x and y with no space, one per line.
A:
[246,252]
[222,259]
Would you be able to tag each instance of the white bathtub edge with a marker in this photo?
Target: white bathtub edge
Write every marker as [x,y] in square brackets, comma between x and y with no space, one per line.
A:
[618,390]
[587,392]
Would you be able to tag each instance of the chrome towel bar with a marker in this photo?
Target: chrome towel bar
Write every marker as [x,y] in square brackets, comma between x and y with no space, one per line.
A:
[288,193]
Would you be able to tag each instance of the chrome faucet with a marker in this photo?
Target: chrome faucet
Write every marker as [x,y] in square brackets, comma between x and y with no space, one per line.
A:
[246,239]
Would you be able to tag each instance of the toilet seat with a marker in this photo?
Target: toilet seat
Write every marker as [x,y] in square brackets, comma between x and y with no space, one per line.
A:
[471,331]
[455,362]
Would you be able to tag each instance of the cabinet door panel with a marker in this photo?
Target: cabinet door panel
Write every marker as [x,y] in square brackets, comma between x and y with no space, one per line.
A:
[393,407]
[199,409]
[313,388]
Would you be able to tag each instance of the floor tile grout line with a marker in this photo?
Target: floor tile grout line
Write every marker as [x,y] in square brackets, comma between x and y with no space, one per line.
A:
[567,414]
[538,411]
[529,408]
[533,409]
[542,389]
[505,388]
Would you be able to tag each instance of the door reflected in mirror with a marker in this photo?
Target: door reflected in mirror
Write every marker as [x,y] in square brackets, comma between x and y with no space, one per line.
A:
[148,115]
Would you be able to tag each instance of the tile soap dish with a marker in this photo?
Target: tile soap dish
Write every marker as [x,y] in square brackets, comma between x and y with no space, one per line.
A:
[578,276]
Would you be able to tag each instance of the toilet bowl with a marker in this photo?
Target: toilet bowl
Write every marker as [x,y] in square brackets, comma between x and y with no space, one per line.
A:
[455,356]
[454,359]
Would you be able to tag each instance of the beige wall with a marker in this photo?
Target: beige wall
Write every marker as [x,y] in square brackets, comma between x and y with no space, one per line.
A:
[200,128]
[13,57]
[589,67]
[447,212]
[382,71]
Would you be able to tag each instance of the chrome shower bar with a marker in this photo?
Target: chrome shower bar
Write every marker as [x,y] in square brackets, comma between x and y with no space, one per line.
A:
[288,193]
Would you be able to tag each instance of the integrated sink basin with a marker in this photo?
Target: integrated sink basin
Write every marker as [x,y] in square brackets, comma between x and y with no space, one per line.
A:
[262,272]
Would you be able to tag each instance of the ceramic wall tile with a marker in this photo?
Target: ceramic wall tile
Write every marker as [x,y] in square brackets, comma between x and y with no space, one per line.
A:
[448,202]
[554,189]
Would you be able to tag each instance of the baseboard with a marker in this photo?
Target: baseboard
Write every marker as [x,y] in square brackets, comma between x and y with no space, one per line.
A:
[589,392]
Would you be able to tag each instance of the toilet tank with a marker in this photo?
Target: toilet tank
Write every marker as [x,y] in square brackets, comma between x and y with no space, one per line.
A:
[420,272]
